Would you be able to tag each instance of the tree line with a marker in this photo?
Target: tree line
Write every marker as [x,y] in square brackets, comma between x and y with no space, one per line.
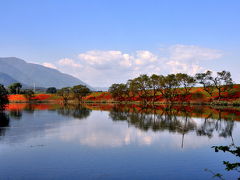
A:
[14,88]
[70,93]
[76,92]
[171,86]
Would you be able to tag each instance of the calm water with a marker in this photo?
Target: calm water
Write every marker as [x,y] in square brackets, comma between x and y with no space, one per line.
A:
[115,142]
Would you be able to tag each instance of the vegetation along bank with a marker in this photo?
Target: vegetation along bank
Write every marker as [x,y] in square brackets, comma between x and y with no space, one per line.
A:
[203,88]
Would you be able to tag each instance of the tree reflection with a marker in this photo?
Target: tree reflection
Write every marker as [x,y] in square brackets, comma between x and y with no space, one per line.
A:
[223,127]
[15,114]
[76,111]
[29,108]
[172,119]
[4,122]
[146,119]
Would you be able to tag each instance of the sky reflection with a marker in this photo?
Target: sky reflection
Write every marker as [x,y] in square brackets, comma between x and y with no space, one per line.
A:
[70,142]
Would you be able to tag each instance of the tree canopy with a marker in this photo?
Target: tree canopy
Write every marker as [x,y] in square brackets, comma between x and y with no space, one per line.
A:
[171,86]
[3,97]
[51,90]
[80,91]
[15,88]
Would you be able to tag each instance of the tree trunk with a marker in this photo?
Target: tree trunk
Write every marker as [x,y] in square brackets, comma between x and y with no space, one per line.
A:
[219,94]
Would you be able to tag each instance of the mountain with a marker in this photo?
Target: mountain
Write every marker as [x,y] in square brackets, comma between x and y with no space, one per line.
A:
[6,80]
[17,70]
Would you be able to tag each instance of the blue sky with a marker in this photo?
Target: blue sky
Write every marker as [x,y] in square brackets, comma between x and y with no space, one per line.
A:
[106,41]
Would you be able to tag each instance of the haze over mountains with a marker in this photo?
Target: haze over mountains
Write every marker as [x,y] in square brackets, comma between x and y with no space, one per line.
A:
[17,70]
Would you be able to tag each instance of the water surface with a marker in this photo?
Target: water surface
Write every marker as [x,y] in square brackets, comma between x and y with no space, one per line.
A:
[115,142]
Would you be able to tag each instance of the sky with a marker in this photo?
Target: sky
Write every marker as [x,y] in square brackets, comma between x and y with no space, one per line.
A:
[110,41]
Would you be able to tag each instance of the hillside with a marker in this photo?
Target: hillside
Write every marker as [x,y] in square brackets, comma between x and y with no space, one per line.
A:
[6,80]
[14,69]
[197,96]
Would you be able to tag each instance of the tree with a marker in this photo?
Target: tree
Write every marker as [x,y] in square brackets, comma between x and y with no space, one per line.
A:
[169,85]
[65,93]
[80,91]
[186,82]
[132,87]
[28,94]
[229,166]
[113,89]
[15,88]
[118,91]
[155,85]
[51,90]
[205,79]
[3,97]
[222,82]
[143,85]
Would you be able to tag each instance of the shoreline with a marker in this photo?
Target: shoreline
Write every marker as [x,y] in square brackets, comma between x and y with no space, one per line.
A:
[213,104]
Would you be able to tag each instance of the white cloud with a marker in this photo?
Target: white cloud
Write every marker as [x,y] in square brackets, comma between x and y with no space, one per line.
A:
[69,62]
[145,57]
[105,59]
[49,65]
[187,58]
[177,66]
[102,68]
[192,53]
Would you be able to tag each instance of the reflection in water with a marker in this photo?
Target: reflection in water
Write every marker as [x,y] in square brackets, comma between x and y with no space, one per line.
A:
[76,111]
[4,122]
[146,119]
[142,139]
[180,119]
[16,114]
[224,128]
[27,112]
[30,108]
[173,120]
[229,166]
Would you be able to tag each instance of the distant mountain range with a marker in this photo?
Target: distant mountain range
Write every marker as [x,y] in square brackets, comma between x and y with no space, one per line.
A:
[17,70]
[6,80]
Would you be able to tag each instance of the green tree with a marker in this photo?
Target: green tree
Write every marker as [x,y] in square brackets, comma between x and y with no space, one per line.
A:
[51,90]
[3,97]
[169,86]
[65,93]
[80,91]
[118,91]
[15,88]
[186,82]
[205,79]
[143,87]
[132,87]
[155,85]
[222,82]
[113,89]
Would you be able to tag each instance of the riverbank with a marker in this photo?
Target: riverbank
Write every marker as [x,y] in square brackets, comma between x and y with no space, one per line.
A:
[197,96]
